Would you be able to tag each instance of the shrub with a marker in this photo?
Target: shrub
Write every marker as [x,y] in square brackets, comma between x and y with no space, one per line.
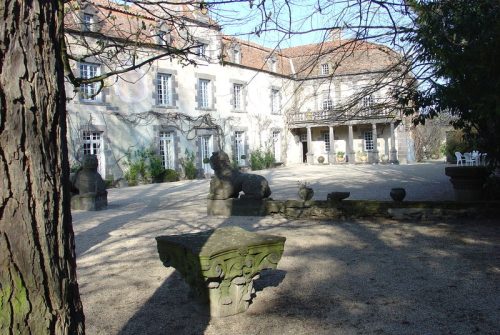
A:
[144,166]
[261,160]
[189,166]
[171,175]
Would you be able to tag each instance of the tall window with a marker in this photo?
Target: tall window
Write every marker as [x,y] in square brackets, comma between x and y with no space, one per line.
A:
[237,95]
[87,22]
[325,69]
[239,146]
[167,149]
[275,101]
[327,102]
[326,139]
[368,101]
[204,94]
[88,91]
[164,89]
[368,140]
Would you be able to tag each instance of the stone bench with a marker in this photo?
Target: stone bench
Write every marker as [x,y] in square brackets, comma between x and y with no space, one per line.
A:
[220,265]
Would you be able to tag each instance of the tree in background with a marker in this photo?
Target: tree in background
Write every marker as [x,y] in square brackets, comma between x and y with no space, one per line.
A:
[458,41]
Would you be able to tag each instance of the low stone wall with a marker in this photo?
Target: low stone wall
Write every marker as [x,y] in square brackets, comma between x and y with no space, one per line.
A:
[323,209]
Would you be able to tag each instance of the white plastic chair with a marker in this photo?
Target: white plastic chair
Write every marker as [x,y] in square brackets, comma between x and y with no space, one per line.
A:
[460,158]
[476,156]
[468,158]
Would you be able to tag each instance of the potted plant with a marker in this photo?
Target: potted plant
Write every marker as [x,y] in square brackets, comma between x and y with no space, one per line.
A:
[206,160]
[340,156]
[305,192]
[362,156]
[384,158]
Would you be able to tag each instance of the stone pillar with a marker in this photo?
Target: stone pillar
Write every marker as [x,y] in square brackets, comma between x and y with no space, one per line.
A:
[374,154]
[393,152]
[350,147]
[332,154]
[310,155]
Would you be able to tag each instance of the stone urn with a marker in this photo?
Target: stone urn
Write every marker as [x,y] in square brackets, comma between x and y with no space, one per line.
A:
[398,194]
[306,193]
[468,181]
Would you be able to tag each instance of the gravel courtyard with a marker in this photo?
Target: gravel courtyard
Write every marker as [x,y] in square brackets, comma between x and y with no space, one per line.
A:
[335,277]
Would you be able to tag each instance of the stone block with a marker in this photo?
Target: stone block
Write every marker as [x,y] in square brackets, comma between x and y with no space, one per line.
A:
[221,265]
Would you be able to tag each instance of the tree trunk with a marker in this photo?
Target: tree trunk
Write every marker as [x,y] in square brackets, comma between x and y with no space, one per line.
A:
[38,288]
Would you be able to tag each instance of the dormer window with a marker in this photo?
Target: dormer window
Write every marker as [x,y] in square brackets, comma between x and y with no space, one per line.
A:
[236,56]
[325,69]
[273,63]
[87,22]
[163,37]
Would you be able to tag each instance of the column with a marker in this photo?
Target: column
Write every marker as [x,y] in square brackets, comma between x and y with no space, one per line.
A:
[331,154]
[350,147]
[310,155]
[393,153]
[375,157]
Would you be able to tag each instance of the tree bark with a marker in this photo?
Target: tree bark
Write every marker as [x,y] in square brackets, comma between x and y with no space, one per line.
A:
[38,288]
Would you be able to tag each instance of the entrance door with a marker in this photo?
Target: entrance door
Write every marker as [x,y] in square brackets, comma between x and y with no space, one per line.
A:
[303,139]
[207,147]
[304,152]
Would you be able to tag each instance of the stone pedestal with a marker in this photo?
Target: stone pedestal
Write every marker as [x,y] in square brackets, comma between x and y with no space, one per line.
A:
[468,181]
[220,265]
[89,201]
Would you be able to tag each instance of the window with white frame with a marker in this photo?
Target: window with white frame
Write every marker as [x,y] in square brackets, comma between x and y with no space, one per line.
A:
[368,135]
[89,91]
[164,89]
[237,96]
[368,101]
[91,143]
[167,152]
[327,102]
[87,22]
[325,69]
[326,140]
[239,146]
[275,101]
[204,101]
[201,50]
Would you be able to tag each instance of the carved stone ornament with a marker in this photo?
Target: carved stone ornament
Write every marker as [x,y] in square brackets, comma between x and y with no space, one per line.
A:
[220,265]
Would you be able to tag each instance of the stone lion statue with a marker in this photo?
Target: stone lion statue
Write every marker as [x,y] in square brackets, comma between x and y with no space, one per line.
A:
[229,182]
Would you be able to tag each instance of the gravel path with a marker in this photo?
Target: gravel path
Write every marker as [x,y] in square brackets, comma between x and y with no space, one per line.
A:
[342,277]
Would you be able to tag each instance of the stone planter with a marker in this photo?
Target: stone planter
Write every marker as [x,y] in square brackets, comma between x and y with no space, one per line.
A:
[384,159]
[340,159]
[398,194]
[468,181]
[306,193]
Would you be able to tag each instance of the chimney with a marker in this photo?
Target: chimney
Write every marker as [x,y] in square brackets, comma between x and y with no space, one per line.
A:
[335,34]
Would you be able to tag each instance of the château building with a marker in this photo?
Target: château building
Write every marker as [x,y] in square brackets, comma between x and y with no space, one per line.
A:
[305,104]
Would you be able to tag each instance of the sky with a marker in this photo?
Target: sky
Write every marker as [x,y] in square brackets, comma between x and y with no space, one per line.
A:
[309,20]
